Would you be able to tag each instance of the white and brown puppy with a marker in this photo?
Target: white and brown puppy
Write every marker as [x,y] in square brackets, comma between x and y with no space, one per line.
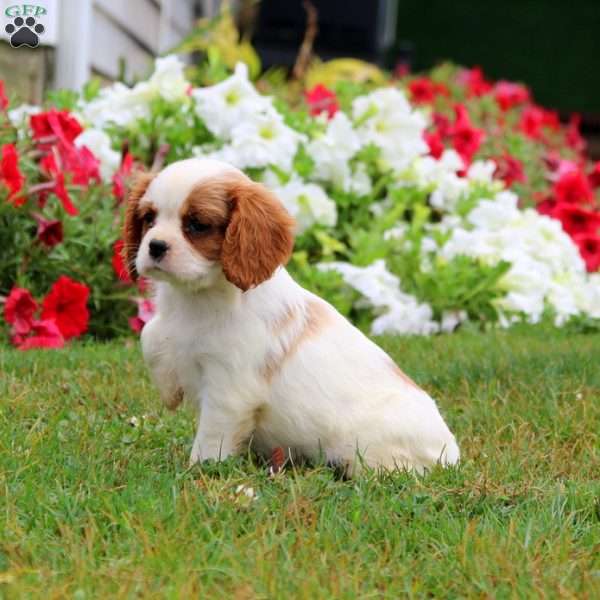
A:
[264,360]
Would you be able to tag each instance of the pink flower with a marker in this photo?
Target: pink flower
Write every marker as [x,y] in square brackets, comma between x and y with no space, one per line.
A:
[589,248]
[534,118]
[146,311]
[46,334]
[19,310]
[320,99]
[574,138]
[594,176]
[510,94]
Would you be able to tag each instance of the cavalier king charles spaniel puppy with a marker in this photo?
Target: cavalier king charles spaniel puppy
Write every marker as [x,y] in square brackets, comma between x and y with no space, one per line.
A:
[265,362]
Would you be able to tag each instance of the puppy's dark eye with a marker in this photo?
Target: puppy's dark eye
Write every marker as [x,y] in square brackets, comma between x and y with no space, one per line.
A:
[149,218]
[195,227]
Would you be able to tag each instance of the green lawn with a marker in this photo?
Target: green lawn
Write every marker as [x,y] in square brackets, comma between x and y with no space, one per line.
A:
[91,507]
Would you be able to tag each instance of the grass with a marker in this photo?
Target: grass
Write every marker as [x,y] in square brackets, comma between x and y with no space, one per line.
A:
[92,507]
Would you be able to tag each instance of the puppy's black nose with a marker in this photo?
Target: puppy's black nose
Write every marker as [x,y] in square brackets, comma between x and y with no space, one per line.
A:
[158,249]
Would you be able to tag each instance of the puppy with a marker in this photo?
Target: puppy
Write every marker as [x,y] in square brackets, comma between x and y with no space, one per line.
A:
[265,361]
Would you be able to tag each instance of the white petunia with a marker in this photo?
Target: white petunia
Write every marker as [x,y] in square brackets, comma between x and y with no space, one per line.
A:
[226,105]
[260,141]
[19,116]
[307,203]
[399,312]
[168,79]
[385,118]
[98,142]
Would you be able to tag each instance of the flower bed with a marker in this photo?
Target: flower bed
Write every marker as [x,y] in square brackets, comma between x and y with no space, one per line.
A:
[420,204]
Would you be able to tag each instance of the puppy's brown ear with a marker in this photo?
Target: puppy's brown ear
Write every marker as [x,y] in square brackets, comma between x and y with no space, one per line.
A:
[132,231]
[259,237]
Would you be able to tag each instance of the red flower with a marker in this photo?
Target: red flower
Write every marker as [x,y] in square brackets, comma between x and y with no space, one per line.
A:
[320,99]
[49,233]
[3,98]
[19,310]
[589,248]
[10,175]
[594,176]
[55,123]
[466,139]
[118,262]
[442,124]
[424,91]
[46,334]
[434,141]
[576,220]
[146,311]
[534,118]
[510,169]
[48,163]
[66,305]
[120,177]
[510,94]
[80,162]
[572,186]
[475,82]
[574,139]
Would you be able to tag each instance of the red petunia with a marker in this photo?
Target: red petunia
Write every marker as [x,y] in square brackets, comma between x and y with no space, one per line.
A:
[118,262]
[442,125]
[576,220]
[424,91]
[3,98]
[50,233]
[534,119]
[146,311]
[589,248]
[572,186]
[509,94]
[19,310]
[466,139]
[80,162]
[48,164]
[510,169]
[59,123]
[120,177]
[594,176]
[46,334]
[10,174]
[321,99]
[475,82]
[434,141]
[66,305]
[574,138]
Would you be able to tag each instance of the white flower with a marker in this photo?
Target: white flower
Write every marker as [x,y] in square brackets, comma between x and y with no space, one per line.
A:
[386,119]
[451,319]
[402,313]
[228,104]
[260,141]
[307,203]
[19,116]
[98,142]
[168,79]
[332,151]
[481,171]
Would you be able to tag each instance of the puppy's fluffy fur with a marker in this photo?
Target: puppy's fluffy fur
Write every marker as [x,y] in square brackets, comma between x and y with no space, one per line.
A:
[264,360]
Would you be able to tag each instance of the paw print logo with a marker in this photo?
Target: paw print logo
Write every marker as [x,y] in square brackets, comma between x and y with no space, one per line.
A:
[24,32]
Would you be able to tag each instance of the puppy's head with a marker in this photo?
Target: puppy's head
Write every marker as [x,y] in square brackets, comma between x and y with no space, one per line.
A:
[198,219]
